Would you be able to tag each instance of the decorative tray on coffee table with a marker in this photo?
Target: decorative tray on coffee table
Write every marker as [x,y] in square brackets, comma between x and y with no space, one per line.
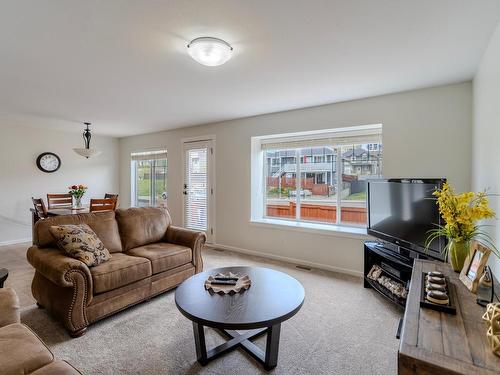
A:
[449,308]
[229,283]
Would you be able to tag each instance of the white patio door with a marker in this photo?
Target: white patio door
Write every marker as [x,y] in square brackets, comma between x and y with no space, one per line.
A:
[198,187]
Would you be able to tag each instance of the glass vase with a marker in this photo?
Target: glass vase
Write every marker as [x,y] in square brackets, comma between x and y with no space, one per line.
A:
[78,202]
[457,253]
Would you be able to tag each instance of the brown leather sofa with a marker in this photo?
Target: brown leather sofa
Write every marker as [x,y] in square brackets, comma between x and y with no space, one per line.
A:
[21,350]
[149,256]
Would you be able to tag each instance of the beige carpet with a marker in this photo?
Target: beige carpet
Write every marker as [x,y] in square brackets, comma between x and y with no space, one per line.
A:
[341,329]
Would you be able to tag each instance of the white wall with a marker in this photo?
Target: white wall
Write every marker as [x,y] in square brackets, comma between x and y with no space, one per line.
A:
[20,179]
[426,133]
[486,167]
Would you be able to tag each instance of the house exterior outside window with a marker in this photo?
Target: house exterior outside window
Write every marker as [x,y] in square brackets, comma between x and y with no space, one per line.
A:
[328,185]
[149,178]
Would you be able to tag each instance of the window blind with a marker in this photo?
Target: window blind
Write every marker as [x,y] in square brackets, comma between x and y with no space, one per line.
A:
[149,155]
[196,182]
[372,134]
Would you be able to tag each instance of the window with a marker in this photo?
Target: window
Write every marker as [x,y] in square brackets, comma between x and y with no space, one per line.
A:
[328,185]
[365,164]
[149,178]
[280,183]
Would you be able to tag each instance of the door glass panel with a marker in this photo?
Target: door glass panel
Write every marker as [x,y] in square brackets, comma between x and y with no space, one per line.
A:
[150,183]
[143,183]
[160,184]
[196,189]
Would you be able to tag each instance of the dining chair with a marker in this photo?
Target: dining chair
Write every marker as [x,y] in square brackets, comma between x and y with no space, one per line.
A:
[107,204]
[59,201]
[40,208]
[112,196]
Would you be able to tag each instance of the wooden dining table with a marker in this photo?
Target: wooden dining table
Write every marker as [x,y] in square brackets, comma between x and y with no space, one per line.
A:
[59,212]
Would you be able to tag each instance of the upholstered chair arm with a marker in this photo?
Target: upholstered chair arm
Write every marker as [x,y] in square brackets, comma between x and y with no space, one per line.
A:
[189,238]
[57,267]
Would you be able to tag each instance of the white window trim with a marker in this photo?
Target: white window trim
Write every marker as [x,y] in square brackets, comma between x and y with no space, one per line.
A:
[133,183]
[309,227]
[258,185]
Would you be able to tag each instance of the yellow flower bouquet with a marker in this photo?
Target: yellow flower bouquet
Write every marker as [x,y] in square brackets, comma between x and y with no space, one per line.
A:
[461,212]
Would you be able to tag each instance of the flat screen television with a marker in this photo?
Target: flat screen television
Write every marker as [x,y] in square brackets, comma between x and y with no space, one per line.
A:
[403,211]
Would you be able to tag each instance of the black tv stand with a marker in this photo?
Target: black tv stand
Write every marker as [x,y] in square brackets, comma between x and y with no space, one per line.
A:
[396,263]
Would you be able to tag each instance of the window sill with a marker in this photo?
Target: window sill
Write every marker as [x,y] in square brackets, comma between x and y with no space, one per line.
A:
[325,229]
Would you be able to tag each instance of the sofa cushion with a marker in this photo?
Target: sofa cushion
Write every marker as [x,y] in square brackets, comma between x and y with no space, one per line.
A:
[163,256]
[22,352]
[80,242]
[142,226]
[119,271]
[9,307]
[102,223]
[57,368]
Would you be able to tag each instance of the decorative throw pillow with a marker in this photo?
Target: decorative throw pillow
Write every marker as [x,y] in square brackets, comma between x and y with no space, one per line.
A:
[80,242]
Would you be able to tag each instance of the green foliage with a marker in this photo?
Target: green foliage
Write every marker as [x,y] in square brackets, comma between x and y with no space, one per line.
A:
[275,192]
[476,234]
[361,196]
[143,187]
[461,212]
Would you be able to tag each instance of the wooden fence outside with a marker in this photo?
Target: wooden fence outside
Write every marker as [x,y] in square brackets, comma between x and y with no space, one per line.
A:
[316,212]
[306,183]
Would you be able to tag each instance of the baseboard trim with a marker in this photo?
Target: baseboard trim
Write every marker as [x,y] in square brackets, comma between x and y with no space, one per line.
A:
[15,242]
[294,261]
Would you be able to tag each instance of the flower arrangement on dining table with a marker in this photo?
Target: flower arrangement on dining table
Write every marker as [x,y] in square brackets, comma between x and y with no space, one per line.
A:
[77,192]
[461,212]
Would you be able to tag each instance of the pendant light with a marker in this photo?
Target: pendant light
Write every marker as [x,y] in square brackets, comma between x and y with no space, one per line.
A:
[87,152]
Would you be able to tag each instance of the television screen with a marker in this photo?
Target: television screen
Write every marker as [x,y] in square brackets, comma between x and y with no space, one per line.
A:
[403,211]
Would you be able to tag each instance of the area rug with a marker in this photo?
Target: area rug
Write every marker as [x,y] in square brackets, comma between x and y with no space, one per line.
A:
[341,329]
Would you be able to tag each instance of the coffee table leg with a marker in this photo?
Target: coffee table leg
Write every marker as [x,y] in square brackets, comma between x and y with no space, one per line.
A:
[269,359]
[272,347]
[199,340]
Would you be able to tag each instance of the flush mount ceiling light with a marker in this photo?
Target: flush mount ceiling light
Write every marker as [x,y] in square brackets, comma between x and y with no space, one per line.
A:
[210,51]
[87,152]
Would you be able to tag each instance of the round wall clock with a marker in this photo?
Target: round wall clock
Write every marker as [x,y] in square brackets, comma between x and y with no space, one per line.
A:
[48,162]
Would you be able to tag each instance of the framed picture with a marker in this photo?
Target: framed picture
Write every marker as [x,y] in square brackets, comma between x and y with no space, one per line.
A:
[474,265]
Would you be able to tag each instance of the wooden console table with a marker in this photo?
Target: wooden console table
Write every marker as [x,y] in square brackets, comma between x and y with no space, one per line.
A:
[437,343]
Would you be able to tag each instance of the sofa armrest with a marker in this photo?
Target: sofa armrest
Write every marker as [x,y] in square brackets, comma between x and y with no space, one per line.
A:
[57,267]
[9,307]
[63,285]
[189,238]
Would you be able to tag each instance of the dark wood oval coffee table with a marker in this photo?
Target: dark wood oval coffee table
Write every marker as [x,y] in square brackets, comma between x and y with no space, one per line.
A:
[272,298]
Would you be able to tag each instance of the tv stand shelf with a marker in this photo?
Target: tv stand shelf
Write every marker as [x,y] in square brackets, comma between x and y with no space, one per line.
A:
[396,263]
[386,293]
[434,342]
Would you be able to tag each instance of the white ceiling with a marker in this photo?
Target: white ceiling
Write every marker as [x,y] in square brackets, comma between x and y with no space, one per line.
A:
[122,64]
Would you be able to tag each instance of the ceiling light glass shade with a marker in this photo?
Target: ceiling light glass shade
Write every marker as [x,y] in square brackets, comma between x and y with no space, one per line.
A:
[87,152]
[210,51]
